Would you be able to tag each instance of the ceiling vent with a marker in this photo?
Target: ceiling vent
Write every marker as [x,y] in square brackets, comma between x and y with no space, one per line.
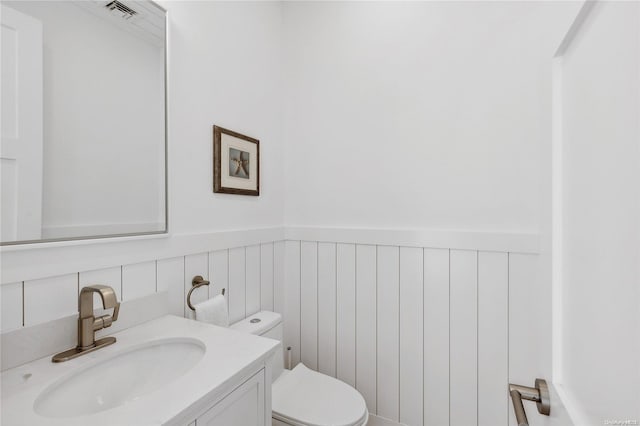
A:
[121,9]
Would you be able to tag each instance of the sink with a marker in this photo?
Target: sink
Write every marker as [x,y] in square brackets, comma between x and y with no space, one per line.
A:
[119,379]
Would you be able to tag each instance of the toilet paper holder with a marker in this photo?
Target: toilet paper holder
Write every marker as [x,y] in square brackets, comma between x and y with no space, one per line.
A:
[196,282]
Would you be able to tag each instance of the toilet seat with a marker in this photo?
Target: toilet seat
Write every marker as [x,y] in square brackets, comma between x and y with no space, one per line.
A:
[303,397]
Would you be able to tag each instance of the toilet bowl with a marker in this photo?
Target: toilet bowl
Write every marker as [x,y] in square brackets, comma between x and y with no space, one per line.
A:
[301,396]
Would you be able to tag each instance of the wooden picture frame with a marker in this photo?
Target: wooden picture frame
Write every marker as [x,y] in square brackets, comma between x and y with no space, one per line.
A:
[236,163]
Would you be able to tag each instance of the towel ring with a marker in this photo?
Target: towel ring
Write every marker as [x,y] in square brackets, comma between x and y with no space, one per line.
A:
[197,281]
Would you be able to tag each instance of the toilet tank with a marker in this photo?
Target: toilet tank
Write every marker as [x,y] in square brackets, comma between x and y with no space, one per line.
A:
[266,324]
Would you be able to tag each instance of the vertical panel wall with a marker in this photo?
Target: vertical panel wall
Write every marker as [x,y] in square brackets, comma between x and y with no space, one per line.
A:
[291,299]
[493,337]
[279,277]
[266,277]
[428,336]
[237,290]
[436,337]
[253,276]
[309,304]
[366,324]
[252,268]
[327,316]
[463,328]
[346,313]
[411,273]
[170,273]
[529,340]
[388,332]
[219,272]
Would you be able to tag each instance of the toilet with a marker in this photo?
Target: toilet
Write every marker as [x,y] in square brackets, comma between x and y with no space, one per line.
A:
[301,396]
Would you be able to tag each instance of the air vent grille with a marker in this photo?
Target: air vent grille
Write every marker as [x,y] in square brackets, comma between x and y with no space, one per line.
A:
[121,9]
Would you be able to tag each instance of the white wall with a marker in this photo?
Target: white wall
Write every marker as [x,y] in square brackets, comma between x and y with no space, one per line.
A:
[220,75]
[419,114]
[215,76]
[600,257]
[365,83]
[103,124]
[225,69]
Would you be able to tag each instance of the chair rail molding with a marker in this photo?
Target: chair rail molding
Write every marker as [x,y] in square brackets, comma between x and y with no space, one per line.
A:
[513,242]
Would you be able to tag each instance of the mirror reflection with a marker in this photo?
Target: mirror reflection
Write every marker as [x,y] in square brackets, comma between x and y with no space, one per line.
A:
[83,120]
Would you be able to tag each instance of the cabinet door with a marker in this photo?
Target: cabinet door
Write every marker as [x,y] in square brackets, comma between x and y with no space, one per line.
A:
[242,407]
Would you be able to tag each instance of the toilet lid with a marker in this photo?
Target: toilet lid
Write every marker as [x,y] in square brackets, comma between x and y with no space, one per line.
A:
[305,397]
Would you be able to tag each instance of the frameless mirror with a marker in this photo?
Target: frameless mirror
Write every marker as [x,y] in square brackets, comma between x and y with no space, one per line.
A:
[83,147]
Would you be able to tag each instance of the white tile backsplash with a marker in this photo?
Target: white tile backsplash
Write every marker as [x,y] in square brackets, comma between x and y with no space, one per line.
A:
[11,306]
[170,274]
[50,298]
[138,280]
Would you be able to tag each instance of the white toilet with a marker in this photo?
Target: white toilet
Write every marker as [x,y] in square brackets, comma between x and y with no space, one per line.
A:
[303,397]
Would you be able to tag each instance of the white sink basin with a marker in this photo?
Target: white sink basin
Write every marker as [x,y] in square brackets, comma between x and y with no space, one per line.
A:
[120,379]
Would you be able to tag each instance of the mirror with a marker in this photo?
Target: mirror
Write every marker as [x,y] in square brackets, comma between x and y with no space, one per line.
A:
[83,149]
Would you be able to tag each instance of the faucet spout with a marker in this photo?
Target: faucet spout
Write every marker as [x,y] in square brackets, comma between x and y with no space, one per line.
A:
[88,323]
[108,296]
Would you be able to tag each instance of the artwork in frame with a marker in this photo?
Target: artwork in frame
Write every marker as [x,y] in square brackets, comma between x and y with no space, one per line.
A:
[236,163]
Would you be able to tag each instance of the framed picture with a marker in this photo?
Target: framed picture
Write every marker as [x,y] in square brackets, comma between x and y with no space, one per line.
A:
[236,163]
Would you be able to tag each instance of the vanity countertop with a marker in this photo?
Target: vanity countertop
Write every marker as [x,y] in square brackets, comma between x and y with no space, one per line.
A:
[228,357]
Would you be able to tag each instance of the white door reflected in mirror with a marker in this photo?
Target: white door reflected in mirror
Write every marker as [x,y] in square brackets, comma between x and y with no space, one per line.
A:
[21,145]
[83,127]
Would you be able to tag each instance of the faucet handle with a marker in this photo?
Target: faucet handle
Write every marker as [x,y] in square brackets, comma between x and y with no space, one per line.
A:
[101,322]
[116,310]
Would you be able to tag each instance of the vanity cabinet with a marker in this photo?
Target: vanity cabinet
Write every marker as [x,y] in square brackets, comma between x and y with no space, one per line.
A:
[244,406]
[227,381]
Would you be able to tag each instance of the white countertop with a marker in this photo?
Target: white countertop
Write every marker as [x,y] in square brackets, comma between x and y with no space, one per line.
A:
[229,356]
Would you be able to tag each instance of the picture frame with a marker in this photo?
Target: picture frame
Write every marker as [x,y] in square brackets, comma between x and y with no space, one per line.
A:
[236,163]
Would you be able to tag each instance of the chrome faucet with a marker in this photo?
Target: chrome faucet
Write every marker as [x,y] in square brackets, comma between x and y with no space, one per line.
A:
[88,324]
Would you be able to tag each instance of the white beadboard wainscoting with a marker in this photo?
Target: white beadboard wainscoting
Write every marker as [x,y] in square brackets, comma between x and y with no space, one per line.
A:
[430,326]
[429,336]
[45,310]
